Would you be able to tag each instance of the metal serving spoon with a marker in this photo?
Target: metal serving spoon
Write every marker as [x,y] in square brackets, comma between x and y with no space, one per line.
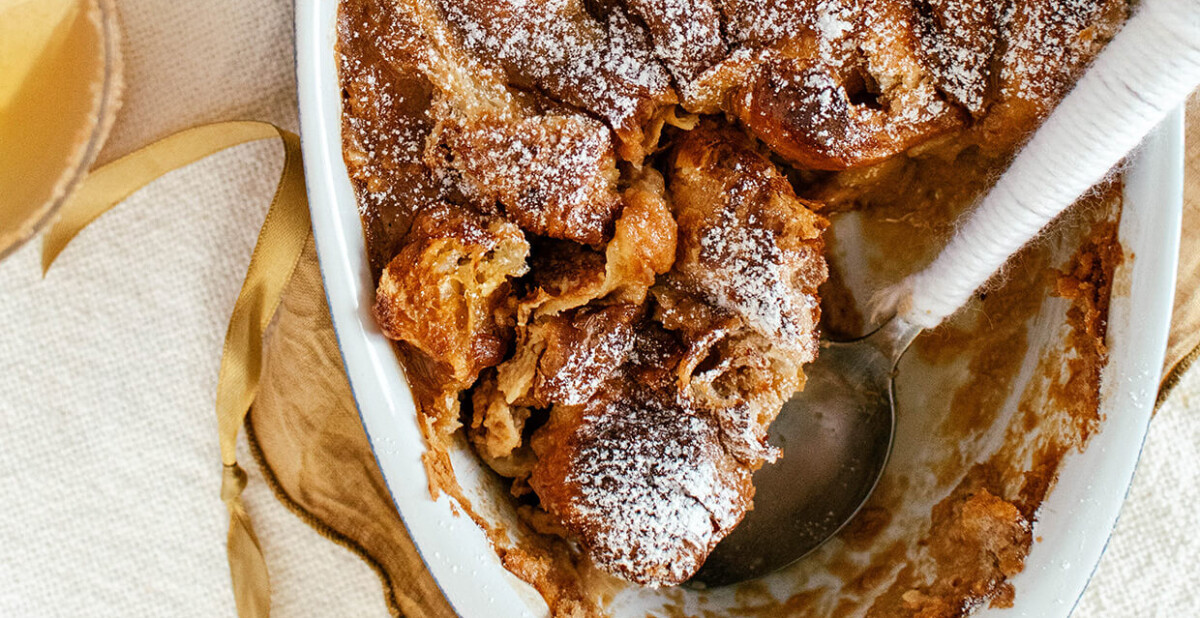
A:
[837,434]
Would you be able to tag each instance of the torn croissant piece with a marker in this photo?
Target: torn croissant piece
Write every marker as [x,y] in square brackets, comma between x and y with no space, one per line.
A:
[413,37]
[497,430]
[563,275]
[658,421]
[554,175]
[827,85]
[560,359]
[550,169]
[558,48]
[684,36]
[643,245]
[958,41]
[447,293]
[563,359]
[640,478]
[567,275]
[743,291]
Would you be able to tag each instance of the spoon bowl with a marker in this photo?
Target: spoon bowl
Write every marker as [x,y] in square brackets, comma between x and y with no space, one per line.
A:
[836,436]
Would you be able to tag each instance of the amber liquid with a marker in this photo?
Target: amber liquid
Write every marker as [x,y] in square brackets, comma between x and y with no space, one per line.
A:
[47,126]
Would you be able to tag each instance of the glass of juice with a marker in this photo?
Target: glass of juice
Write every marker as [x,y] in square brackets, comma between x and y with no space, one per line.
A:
[60,83]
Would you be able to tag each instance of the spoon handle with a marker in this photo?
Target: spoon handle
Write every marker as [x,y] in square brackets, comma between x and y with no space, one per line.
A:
[1148,68]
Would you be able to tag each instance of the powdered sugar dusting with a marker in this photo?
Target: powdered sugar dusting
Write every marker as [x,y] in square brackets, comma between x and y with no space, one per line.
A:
[959,40]
[685,34]
[556,46]
[747,243]
[1047,42]
[654,490]
[553,175]
[834,22]
[750,274]
[510,108]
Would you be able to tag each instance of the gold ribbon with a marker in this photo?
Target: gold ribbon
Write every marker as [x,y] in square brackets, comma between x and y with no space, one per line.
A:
[110,184]
[280,242]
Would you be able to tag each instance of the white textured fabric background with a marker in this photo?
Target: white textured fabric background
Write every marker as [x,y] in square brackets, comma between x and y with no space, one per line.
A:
[109,467]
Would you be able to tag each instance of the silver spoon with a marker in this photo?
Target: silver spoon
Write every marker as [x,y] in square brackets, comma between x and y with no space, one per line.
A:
[837,434]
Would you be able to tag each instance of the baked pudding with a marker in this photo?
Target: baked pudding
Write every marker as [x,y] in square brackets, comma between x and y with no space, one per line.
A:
[600,228]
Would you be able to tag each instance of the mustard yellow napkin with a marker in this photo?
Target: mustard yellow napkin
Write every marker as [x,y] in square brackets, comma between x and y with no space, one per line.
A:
[305,432]
[1184,345]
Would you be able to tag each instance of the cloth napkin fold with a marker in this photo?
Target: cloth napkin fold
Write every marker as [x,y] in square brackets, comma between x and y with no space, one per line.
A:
[1183,346]
[306,435]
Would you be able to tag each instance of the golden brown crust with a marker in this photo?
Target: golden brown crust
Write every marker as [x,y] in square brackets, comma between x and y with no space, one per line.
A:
[641,480]
[849,91]
[556,47]
[553,175]
[677,311]
[805,112]
[684,35]
[446,292]
[743,292]
[958,42]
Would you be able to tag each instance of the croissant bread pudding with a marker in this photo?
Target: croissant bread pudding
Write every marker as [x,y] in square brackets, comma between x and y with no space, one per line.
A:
[599,227]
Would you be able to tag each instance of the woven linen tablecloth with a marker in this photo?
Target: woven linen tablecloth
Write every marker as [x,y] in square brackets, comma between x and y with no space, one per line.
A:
[109,466]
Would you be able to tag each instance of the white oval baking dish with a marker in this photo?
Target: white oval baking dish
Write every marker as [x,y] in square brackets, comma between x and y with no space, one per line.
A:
[1075,521]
